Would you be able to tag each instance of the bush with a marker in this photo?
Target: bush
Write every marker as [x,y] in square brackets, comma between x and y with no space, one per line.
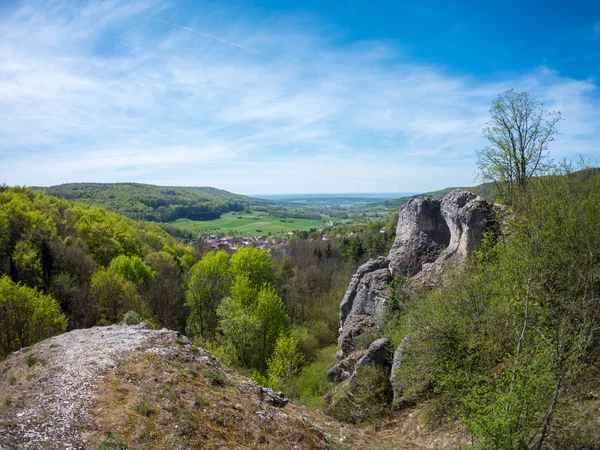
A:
[131,318]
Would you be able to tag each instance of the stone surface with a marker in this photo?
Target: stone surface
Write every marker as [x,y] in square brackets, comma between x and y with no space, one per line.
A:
[376,354]
[421,236]
[344,368]
[354,327]
[367,291]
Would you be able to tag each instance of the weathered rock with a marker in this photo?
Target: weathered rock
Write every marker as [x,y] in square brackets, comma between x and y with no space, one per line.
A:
[367,291]
[355,326]
[421,235]
[344,368]
[430,236]
[273,398]
[376,354]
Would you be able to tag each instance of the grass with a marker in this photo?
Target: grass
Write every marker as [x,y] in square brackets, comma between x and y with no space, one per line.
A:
[30,361]
[144,410]
[215,378]
[112,442]
[247,224]
[204,413]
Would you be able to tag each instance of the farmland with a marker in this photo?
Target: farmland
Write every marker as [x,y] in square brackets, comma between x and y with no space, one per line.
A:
[246,224]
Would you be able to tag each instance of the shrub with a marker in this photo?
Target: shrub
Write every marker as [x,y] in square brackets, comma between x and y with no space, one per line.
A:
[131,318]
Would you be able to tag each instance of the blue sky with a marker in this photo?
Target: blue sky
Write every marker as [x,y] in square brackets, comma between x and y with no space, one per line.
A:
[282,97]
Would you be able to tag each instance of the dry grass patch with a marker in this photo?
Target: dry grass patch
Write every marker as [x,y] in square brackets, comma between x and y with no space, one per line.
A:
[194,403]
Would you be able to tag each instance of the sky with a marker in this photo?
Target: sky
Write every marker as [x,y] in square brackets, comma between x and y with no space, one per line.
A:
[273,97]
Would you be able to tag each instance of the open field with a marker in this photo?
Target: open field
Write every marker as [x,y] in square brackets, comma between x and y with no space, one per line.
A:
[247,224]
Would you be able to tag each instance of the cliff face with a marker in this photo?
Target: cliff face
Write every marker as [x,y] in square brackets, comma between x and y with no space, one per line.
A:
[430,236]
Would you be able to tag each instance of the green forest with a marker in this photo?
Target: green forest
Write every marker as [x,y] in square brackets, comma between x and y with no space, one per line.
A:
[67,265]
[155,203]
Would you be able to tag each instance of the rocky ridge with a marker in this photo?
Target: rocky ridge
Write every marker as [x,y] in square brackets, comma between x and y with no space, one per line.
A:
[130,387]
[430,236]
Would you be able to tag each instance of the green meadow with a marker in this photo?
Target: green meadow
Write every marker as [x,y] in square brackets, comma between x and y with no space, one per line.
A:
[247,224]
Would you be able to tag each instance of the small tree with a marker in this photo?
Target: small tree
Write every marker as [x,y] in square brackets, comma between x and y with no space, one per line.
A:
[519,133]
[26,316]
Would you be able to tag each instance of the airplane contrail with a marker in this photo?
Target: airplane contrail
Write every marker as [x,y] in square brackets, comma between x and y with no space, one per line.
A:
[210,36]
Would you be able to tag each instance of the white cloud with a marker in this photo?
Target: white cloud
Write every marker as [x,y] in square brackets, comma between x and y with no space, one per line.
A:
[114,92]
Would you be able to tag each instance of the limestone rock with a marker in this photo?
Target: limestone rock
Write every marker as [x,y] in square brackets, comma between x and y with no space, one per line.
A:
[367,291]
[344,368]
[430,236]
[421,235]
[376,354]
[353,328]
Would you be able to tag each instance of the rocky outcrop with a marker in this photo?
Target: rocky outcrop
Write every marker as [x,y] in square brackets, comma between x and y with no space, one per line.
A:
[367,291]
[433,233]
[430,236]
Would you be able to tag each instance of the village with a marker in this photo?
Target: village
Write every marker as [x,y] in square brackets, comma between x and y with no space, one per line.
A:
[234,243]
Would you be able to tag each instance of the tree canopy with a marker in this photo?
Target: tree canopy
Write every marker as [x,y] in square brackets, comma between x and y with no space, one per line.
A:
[519,133]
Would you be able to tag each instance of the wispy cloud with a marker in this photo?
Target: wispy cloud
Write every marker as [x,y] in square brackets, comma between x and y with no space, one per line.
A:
[128,91]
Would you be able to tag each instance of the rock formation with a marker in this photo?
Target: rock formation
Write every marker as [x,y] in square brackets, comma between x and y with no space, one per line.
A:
[430,235]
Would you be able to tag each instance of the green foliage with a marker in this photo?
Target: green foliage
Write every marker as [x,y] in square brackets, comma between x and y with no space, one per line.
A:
[28,316]
[364,399]
[164,293]
[114,295]
[251,322]
[111,442]
[254,264]
[132,268]
[311,384]
[286,360]
[155,203]
[209,283]
[131,318]
[215,378]
[272,321]
[30,361]
[27,263]
[519,133]
[506,342]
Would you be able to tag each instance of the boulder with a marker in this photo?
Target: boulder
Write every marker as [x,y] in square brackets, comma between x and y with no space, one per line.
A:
[355,326]
[376,354]
[367,291]
[346,367]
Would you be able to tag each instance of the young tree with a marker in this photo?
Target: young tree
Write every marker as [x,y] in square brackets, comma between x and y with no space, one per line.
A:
[209,283]
[26,316]
[519,133]
[114,294]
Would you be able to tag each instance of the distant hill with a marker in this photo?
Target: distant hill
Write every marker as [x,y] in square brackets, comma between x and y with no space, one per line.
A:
[156,203]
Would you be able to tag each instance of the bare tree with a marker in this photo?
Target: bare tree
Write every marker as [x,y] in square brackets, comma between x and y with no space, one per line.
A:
[519,133]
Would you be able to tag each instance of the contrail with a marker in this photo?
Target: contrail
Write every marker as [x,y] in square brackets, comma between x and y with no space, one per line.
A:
[210,36]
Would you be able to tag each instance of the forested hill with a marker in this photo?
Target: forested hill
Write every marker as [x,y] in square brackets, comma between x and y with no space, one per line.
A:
[156,203]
